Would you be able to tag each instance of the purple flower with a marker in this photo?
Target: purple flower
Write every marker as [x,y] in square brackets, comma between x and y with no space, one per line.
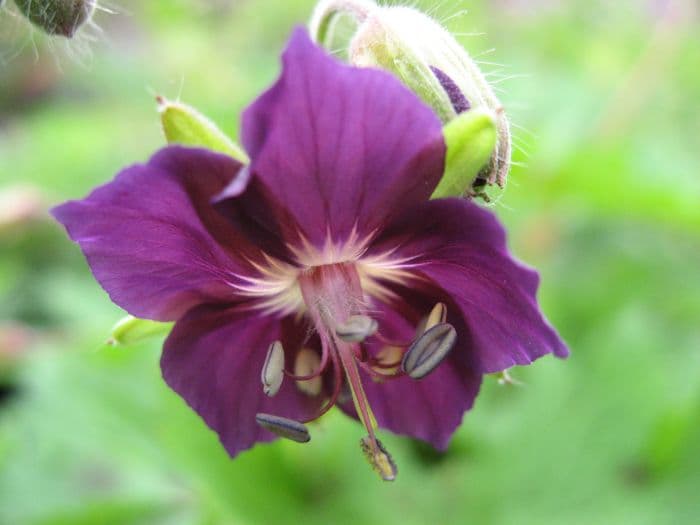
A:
[322,268]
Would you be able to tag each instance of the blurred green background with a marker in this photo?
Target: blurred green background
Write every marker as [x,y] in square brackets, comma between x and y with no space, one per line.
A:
[606,205]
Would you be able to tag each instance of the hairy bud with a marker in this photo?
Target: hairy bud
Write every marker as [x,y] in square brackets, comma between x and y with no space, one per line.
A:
[429,61]
[436,68]
[57,17]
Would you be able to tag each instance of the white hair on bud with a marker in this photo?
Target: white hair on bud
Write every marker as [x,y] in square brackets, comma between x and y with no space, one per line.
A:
[37,28]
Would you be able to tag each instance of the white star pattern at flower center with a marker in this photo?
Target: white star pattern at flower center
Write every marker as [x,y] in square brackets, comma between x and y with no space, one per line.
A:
[277,288]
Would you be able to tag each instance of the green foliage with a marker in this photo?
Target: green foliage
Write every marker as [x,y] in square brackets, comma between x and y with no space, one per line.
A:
[606,210]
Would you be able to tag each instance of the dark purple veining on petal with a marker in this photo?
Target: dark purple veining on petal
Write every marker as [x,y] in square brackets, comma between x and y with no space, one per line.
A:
[152,238]
[335,147]
[457,98]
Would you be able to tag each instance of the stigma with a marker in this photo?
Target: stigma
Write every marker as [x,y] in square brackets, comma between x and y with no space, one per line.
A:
[338,309]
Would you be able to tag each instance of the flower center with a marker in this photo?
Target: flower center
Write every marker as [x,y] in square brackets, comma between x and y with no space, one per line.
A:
[333,297]
[337,307]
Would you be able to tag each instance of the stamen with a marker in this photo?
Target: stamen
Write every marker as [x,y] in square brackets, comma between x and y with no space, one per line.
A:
[376,374]
[283,427]
[337,395]
[378,457]
[437,315]
[307,364]
[392,342]
[272,372]
[388,359]
[317,371]
[356,329]
[428,351]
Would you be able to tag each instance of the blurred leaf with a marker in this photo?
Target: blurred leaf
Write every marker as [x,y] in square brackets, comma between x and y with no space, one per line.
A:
[108,513]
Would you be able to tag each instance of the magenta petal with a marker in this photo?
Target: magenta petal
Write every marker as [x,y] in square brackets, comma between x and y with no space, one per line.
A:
[213,359]
[150,236]
[334,146]
[429,409]
[460,248]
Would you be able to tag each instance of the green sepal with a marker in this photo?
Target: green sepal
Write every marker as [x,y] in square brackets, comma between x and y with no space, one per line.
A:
[130,330]
[182,124]
[471,139]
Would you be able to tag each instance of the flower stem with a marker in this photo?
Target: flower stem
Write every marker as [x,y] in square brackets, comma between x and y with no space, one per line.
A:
[327,12]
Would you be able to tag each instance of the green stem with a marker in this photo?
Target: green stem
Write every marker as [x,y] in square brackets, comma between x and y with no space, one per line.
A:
[327,12]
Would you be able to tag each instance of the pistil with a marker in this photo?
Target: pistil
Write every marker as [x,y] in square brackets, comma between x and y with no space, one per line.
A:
[359,398]
[336,305]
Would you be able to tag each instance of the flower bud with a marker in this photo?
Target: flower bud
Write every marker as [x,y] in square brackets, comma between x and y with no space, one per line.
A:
[57,17]
[430,62]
